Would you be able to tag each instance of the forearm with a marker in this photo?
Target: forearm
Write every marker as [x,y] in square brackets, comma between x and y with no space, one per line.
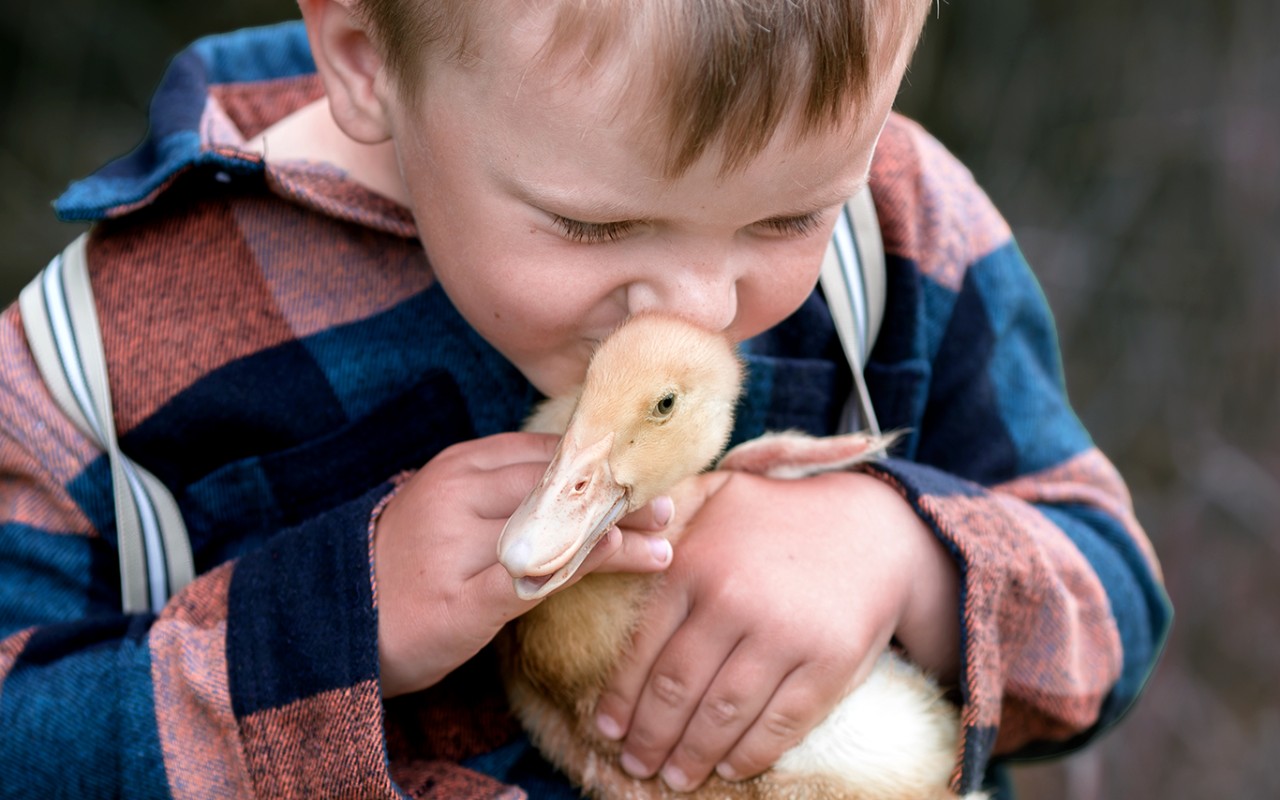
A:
[929,625]
[1085,500]
[255,671]
[1046,647]
[302,659]
[77,712]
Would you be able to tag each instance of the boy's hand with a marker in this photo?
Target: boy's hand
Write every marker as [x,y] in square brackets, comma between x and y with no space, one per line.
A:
[778,602]
[442,595]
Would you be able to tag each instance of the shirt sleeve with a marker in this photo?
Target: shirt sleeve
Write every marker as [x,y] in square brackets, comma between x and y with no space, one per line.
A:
[1063,611]
[259,679]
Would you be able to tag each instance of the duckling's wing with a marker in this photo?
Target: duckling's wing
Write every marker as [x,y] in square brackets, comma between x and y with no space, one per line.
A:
[791,455]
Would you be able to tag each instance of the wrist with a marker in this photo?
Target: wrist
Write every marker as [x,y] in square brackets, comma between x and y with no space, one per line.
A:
[921,575]
[929,628]
[396,673]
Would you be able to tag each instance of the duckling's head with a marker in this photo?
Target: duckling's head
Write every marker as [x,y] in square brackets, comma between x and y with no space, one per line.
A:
[656,406]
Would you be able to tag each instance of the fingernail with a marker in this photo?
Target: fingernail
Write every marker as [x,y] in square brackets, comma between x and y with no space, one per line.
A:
[608,727]
[632,766]
[725,771]
[661,550]
[664,508]
[675,778]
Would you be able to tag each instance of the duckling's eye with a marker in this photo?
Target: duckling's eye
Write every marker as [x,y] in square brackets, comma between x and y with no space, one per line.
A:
[663,408]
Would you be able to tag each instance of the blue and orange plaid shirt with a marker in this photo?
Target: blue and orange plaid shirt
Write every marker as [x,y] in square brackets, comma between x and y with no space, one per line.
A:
[279,352]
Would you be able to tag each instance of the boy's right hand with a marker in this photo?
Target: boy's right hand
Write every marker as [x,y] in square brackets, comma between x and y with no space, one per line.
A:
[441,593]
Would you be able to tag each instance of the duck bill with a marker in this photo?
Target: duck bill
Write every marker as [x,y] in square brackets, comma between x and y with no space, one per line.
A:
[552,532]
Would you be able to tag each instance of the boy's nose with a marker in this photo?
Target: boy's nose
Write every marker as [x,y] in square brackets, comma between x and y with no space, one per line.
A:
[707,301]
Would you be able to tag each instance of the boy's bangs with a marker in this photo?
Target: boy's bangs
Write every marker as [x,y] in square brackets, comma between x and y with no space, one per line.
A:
[726,72]
[729,72]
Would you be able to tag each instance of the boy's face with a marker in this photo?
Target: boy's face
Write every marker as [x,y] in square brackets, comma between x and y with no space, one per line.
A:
[548,220]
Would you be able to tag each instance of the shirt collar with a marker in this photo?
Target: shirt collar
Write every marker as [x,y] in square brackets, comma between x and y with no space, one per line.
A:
[216,94]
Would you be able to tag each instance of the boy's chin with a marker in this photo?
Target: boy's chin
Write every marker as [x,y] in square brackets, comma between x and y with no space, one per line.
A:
[558,376]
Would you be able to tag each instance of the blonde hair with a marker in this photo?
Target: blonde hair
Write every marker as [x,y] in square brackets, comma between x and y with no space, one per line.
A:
[724,71]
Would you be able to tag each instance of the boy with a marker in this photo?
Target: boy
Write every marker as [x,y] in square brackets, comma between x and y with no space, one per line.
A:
[310,281]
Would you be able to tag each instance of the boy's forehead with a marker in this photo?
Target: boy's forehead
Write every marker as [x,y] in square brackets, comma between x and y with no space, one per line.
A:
[642,71]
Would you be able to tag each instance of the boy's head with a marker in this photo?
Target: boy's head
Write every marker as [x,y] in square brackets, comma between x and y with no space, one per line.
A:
[570,163]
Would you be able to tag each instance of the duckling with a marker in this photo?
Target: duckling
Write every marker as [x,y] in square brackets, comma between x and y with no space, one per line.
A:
[657,406]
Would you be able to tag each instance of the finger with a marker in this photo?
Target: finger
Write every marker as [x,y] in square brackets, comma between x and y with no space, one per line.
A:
[609,545]
[727,710]
[619,552]
[652,516]
[501,581]
[676,686]
[492,452]
[613,712]
[504,488]
[636,552]
[801,701]
[493,587]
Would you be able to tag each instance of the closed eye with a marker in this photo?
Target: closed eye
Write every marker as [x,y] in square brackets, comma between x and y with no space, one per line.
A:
[592,232]
[797,226]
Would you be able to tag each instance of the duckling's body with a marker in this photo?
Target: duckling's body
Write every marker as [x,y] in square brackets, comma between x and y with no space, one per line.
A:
[893,738]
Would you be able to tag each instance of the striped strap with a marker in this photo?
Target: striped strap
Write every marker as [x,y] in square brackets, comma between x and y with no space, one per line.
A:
[853,281]
[62,330]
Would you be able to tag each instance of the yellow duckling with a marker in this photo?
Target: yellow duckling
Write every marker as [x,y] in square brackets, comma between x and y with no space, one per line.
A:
[657,406]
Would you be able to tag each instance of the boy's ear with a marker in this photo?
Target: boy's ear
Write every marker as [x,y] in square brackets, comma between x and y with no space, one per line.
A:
[350,67]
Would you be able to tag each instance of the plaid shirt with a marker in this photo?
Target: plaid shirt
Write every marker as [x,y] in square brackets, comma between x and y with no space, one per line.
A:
[279,352]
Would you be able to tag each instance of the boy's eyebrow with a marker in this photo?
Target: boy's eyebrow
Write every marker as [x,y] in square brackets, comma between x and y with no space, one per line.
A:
[825,200]
[552,198]
[596,208]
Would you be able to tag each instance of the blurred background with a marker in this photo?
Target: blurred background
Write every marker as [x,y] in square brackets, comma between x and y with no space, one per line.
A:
[1134,146]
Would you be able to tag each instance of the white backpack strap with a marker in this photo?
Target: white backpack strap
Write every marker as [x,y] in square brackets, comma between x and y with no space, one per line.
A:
[62,329]
[853,280]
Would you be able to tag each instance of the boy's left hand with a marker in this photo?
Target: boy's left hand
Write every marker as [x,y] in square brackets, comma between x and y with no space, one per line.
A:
[779,601]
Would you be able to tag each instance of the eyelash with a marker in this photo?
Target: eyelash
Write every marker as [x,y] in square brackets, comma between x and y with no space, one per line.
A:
[597,232]
[591,232]
[798,227]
